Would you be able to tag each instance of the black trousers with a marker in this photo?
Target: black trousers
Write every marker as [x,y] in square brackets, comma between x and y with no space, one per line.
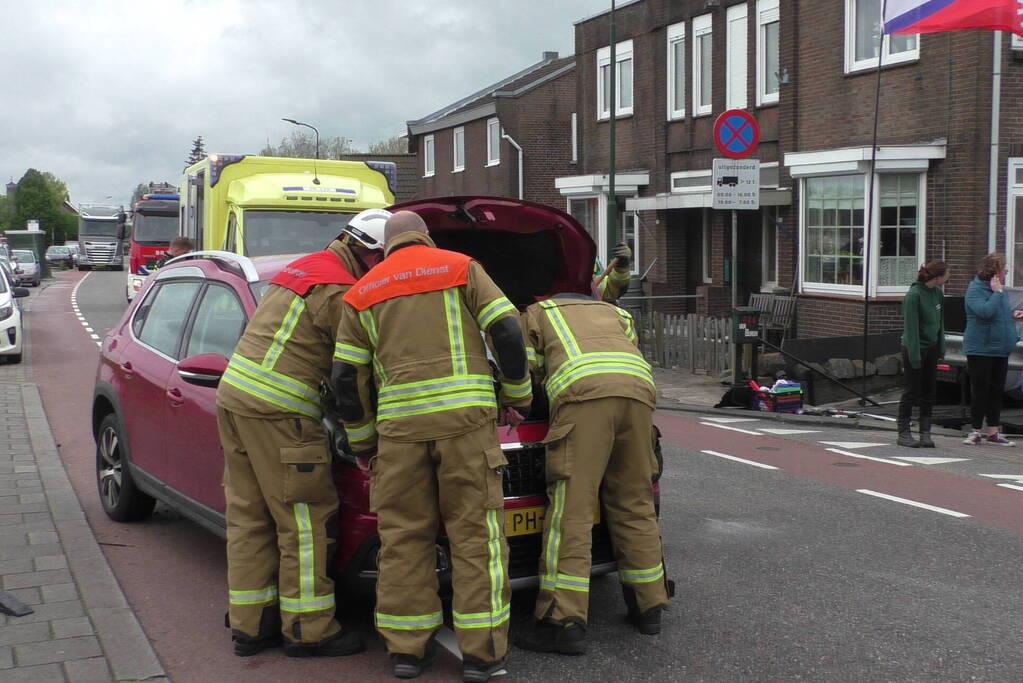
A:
[921,384]
[987,383]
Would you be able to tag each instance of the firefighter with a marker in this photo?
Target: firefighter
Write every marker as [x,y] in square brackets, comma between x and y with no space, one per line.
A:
[615,284]
[600,441]
[281,499]
[410,349]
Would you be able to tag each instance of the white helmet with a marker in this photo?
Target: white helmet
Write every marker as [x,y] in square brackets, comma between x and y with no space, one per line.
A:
[367,228]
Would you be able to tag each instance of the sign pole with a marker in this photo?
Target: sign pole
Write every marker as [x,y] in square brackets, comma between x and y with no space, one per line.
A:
[737,362]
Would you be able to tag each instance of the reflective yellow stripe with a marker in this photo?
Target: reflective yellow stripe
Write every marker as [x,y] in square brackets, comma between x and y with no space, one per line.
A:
[285,331]
[641,575]
[611,361]
[630,331]
[352,354]
[436,404]
[453,313]
[256,597]
[399,392]
[516,389]
[364,432]
[270,395]
[493,311]
[553,547]
[495,566]
[370,325]
[567,582]
[416,622]
[599,370]
[273,378]
[481,619]
[307,600]
[561,328]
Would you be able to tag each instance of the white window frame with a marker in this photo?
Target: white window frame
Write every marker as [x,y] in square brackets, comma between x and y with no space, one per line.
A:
[493,154]
[873,234]
[768,224]
[429,157]
[1013,232]
[676,35]
[767,13]
[702,25]
[457,148]
[706,247]
[737,68]
[634,216]
[698,189]
[887,57]
[575,138]
[623,53]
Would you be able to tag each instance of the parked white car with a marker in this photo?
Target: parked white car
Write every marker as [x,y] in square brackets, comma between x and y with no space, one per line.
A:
[31,272]
[11,331]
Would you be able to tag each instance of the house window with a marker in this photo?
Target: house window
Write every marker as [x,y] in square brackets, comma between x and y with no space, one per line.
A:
[899,215]
[702,64]
[705,246]
[1015,218]
[833,230]
[493,142]
[863,23]
[623,80]
[630,232]
[584,210]
[676,71]
[575,138]
[735,65]
[768,23]
[428,161]
[769,251]
[458,138]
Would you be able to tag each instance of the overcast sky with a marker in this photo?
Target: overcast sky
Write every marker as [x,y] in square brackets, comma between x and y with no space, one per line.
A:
[106,94]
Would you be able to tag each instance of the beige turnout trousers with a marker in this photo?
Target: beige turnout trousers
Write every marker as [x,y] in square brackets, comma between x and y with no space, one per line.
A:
[607,440]
[281,525]
[414,487]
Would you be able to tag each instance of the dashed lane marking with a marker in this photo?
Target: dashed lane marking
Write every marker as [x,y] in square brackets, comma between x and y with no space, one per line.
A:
[1012,486]
[78,312]
[869,457]
[906,501]
[853,444]
[742,460]
[730,420]
[929,461]
[1018,478]
[786,432]
[733,429]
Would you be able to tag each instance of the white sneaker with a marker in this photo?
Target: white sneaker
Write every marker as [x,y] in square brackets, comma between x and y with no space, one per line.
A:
[974,438]
[999,440]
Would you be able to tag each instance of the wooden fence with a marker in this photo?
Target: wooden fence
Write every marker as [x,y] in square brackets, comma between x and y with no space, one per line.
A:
[696,342]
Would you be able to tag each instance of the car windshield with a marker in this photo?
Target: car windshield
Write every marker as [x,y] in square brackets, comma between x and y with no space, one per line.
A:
[63,251]
[93,228]
[154,228]
[3,280]
[25,256]
[268,233]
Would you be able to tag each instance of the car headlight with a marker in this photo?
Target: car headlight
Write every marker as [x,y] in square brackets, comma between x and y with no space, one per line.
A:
[6,311]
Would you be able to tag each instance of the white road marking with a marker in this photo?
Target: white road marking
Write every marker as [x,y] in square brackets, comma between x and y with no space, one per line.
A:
[785,432]
[868,457]
[95,336]
[929,461]
[734,429]
[914,503]
[1018,478]
[747,462]
[853,444]
[78,312]
[729,420]
[1012,486]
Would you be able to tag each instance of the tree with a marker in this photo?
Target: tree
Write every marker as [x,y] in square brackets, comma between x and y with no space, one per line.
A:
[137,193]
[302,145]
[198,152]
[34,200]
[397,144]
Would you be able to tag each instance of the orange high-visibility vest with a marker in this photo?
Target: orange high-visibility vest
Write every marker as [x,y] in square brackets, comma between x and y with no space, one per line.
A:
[409,270]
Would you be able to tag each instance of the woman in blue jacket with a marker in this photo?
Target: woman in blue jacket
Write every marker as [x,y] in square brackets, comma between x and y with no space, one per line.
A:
[989,339]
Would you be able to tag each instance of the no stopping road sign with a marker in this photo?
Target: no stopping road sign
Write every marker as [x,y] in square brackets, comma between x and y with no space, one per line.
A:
[736,133]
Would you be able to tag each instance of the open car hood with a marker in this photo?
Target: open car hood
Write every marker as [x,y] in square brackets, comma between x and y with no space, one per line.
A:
[531,251]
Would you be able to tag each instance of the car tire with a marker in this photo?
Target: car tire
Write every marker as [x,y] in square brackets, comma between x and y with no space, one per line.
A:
[13,359]
[120,496]
[84,267]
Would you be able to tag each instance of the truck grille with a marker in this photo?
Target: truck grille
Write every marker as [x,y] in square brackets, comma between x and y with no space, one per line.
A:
[100,253]
[524,474]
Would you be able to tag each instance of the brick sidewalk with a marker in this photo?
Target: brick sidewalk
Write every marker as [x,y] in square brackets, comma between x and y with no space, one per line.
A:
[82,628]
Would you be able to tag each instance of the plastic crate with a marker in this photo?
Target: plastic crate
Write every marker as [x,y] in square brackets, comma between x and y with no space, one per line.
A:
[787,400]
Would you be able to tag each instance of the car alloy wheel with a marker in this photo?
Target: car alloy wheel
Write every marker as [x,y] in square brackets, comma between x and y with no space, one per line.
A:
[121,498]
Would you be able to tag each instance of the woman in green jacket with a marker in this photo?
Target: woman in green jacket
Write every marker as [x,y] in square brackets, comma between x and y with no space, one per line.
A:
[923,343]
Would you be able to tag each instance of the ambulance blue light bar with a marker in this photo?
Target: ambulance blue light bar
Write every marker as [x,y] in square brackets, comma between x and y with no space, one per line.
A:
[389,169]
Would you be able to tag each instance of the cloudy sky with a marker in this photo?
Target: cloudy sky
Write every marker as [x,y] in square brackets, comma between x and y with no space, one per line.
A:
[106,94]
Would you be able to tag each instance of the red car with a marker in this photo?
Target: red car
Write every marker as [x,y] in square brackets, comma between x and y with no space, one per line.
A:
[154,412]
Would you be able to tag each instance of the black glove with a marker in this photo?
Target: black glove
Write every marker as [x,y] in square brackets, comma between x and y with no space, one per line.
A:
[623,254]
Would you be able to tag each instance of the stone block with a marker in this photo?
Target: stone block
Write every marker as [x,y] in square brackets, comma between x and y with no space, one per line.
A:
[74,626]
[841,368]
[18,634]
[888,365]
[93,670]
[858,368]
[57,651]
[59,592]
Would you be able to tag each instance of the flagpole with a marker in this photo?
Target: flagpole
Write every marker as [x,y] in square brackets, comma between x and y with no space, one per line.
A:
[868,224]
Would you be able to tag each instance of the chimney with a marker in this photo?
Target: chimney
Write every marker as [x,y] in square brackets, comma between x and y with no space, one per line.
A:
[550,56]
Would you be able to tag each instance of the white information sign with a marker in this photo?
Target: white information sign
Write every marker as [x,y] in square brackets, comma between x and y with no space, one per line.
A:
[736,183]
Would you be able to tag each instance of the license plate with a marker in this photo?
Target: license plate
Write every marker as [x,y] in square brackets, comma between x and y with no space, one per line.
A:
[523,521]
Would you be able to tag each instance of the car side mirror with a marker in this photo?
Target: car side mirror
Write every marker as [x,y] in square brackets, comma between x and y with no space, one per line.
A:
[19,292]
[203,369]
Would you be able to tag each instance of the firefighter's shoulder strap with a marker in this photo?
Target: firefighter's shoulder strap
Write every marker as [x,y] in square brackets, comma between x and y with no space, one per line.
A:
[409,270]
[318,268]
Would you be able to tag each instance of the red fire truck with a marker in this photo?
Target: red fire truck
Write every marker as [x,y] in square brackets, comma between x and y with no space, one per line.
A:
[154,225]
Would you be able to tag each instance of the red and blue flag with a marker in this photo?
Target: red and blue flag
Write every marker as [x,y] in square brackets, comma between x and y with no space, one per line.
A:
[935,16]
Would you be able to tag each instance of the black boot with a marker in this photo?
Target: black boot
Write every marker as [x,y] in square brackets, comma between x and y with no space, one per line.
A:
[925,432]
[649,622]
[269,634]
[341,644]
[550,636]
[409,666]
[906,435]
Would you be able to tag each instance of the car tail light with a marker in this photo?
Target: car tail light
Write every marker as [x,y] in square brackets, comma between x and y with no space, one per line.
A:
[944,367]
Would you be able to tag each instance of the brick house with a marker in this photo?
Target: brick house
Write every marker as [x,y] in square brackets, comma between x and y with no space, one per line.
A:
[408,173]
[509,139]
[807,72]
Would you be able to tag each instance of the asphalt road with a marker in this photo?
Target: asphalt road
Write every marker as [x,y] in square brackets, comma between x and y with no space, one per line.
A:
[790,565]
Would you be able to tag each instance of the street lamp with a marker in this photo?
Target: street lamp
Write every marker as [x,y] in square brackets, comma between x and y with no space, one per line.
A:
[316,179]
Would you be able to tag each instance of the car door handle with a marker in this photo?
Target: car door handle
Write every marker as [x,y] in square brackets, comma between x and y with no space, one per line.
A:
[176,397]
[128,370]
